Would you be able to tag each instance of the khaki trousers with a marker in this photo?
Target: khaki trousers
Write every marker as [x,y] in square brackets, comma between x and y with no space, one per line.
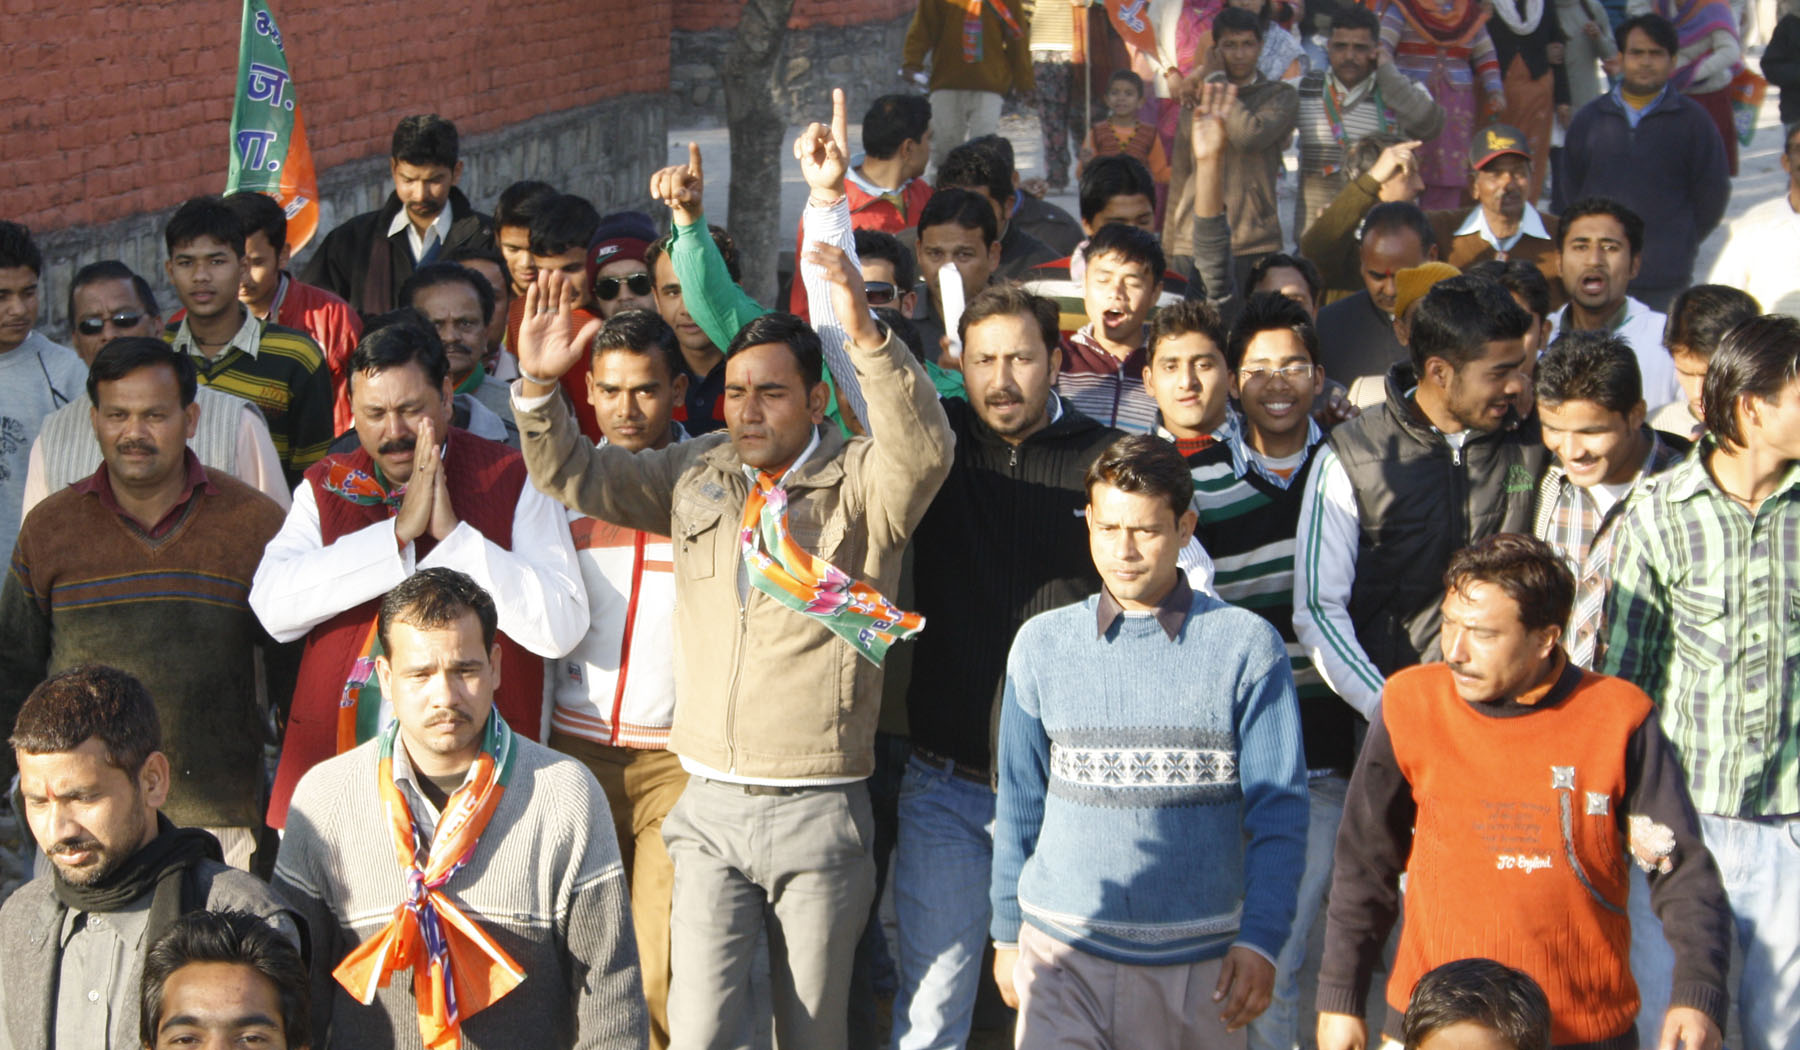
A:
[641,787]
[1070,1000]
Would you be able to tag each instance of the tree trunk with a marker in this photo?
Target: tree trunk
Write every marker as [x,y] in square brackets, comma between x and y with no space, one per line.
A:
[757,130]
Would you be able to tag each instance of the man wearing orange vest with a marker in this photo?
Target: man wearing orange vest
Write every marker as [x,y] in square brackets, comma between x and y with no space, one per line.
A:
[1515,790]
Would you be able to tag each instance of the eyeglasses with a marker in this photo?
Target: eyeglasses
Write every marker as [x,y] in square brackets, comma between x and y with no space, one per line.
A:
[1291,373]
[608,287]
[880,293]
[96,325]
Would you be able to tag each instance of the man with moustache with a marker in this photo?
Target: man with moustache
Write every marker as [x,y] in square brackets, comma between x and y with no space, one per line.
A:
[94,777]
[1601,248]
[367,258]
[1441,463]
[145,565]
[459,304]
[416,493]
[108,301]
[1356,333]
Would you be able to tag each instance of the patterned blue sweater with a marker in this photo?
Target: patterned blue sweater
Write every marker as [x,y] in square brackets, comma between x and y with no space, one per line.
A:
[1152,806]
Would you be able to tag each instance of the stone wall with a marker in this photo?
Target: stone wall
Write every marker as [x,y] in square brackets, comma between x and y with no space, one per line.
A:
[605,152]
[861,59]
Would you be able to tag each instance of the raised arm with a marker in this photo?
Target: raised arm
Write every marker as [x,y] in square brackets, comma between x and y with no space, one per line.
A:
[716,303]
[824,155]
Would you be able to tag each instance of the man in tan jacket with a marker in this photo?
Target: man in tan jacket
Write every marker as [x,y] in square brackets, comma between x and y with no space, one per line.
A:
[784,532]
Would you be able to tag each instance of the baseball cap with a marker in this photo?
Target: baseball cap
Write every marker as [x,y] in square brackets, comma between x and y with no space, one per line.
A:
[1497,140]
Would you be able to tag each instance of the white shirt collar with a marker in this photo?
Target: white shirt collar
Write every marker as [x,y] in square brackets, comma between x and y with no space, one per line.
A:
[750,471]
[1350,96]
[248,338]
[1532,223]
[439,226]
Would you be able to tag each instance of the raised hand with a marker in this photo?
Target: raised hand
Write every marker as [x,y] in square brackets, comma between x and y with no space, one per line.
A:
[549,344]
[824,154]
[680,187]
[1394,160]
[1213,103]
[849,300]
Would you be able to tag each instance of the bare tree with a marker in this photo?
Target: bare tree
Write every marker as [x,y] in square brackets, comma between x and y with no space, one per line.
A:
[757,129]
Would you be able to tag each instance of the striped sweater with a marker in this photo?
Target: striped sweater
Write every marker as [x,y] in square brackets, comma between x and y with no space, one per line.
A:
[1248,518]
[1386,101]
[89,585]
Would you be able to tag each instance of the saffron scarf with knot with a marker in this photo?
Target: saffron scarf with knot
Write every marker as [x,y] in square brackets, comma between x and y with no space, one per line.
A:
[778,567]
[458,969]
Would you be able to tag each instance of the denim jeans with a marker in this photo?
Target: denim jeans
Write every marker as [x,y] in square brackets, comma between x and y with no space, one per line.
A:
[941,870]
[1759,861]
[1279,1026]
[1652,961]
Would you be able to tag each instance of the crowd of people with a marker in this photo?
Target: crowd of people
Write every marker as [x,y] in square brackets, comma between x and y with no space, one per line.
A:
[504,631]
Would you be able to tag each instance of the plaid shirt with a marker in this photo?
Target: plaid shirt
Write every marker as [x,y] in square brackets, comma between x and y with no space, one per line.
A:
[1569,520]
[1704,615]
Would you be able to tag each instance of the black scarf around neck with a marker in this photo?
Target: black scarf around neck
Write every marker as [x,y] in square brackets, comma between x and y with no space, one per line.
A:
[159,868]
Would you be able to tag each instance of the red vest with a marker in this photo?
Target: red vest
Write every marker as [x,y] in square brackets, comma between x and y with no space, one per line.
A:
[486,479]
[1493,872]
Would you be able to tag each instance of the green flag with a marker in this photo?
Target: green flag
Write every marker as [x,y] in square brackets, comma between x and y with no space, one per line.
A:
[268,139]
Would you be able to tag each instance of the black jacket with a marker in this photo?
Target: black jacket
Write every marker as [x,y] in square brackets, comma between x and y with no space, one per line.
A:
[1004,540]
[1419,500]
[347,260]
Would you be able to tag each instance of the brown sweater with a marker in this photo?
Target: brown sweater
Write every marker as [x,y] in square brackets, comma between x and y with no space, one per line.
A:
[91,585]
[1004,60]
[1520,805]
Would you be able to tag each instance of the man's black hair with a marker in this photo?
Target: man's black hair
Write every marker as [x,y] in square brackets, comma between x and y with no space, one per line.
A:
[1360,158]
[1394,216]
[426,141]
[974,167]
[111,270]
[1002,148]
[1590,366]
[641,332]
[959,207]
[879,244]
[1185,317]
[903,329]
[206,216]
[562,225]
[1459,317]
[260,213]
[1355,16]
[1237,20]
[1116,176]
[17,249]
[235,938]
[790,332]
[90,701]
[1759,358]
[891,121]
[405,338]
[1270,312]
[1309,272]
[468,253]
[1660,30]
[1144,465]
[1012,300]
[435,598]
[1129,243]
[1524,280]
[520,203]
[1483,992]
[127,354]
[1126,76]
[1702,315]
[431,275]
[1631,221]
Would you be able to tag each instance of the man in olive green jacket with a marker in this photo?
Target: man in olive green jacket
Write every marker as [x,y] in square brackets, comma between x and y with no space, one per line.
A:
[776,703]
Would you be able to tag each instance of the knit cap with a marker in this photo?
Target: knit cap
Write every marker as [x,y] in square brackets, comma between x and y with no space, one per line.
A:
[1411,284]
[621,235]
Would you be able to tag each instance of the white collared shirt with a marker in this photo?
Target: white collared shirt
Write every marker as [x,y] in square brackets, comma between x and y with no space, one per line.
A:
[248,338]
[1532,223]
[439,230]
[1642,329]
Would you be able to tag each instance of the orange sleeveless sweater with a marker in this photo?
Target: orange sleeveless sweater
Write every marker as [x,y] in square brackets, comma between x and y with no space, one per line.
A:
[1517,850]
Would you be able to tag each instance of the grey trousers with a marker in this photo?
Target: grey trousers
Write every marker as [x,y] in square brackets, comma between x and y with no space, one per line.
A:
[796,866]
[1070,1000]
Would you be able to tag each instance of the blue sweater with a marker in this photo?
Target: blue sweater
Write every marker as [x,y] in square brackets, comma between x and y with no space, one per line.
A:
[1152,802]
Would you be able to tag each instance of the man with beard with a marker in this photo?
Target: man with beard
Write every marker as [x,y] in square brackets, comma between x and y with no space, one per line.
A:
[145,564]
[1600,245]
[416,493]
[1440,464]
[72,942]
[458,302]
[369,257]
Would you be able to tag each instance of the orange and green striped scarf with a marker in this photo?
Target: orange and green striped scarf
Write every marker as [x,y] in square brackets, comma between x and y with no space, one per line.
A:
[458,970]
[855,611]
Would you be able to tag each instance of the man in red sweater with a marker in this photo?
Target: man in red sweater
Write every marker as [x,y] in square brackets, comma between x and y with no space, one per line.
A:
[273,294]
[1515,790]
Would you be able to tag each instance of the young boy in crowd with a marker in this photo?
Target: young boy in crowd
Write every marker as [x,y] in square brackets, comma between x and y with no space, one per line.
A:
[1122,131]
[1477,1003]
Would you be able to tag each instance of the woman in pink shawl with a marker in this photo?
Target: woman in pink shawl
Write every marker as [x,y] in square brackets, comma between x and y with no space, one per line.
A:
[1710,58]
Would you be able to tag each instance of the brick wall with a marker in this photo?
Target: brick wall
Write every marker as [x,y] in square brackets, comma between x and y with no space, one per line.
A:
[112,112]
[698,15]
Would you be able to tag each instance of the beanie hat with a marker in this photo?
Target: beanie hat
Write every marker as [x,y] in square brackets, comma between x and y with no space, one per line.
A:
[1411,284]
[621,235]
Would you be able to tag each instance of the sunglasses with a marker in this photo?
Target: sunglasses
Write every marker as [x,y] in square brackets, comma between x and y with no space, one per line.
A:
[608,287]
[96,325]
[880,293]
